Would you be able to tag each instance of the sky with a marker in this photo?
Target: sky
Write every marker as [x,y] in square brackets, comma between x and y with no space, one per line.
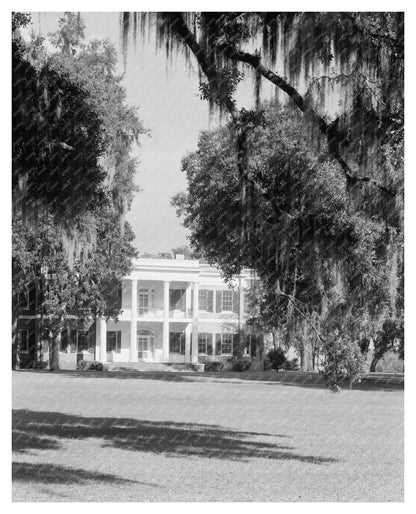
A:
[170,108]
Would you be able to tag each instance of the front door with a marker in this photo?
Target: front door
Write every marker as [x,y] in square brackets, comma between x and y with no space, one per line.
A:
[145,347]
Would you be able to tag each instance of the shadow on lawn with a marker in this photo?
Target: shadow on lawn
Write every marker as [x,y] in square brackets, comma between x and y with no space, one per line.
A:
[51,474]
[307,380]
[161,437]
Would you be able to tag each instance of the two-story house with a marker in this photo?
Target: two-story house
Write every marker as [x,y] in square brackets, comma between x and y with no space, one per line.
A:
[172,310]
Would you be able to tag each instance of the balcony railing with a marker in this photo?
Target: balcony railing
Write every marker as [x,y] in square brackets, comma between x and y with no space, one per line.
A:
[158,312]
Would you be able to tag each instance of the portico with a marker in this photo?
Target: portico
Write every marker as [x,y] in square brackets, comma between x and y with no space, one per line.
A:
[163,297]
[162,319]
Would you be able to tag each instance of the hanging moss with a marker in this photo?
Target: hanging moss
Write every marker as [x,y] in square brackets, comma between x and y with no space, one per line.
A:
[361,52]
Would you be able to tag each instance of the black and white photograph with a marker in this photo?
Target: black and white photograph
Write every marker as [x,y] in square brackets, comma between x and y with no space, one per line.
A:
[207,255]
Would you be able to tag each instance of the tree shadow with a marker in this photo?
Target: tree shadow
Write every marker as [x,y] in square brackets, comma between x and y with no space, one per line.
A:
[297,379]
[52,474]
[22,442]
[169,438]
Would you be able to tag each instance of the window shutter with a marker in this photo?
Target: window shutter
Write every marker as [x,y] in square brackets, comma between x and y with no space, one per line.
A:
[218,301]
[32,297]
[64,340]
[119,295]
[236,302]
[182,343]
[31,340]
[217,344]
[118,346]
[209,344]
[73,340]
[210,301]
[91,339]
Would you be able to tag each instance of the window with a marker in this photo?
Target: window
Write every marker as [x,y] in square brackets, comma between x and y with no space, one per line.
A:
[23,336]
[143,302]
[227,301]
[203,299]
[177,342]
[202,343]
[177,299]
[205,343]
[142,342]
[84,341]
[114,341]
[24,299]
[247,303]
[145,343]
[227,343]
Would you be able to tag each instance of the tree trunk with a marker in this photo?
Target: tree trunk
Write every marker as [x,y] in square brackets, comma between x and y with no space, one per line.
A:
[276,340]
[308,350]
[240,344]
[15,343]
[38,346]
[307,354]
[54,346]
[374,364]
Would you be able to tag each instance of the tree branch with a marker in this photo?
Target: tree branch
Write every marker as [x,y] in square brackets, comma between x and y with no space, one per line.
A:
[326,129]
[292,300]
[179,25]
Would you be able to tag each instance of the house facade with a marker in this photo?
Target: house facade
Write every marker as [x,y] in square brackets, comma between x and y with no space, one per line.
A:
[172,311]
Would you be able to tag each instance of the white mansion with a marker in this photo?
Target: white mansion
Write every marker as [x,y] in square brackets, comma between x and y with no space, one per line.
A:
[172,311]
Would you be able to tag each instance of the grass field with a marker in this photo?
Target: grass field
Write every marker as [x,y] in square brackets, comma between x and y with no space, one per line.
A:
[170,437]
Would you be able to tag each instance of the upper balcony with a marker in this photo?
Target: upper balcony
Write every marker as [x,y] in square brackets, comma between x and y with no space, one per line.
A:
[156,312]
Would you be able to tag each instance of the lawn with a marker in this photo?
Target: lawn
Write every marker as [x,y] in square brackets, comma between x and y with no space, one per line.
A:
[171,437]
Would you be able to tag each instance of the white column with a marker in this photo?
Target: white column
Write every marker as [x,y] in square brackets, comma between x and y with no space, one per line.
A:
[241,313]
[133,322]
[188,300]
[165,354]
[195,324]
[103,339]
[188,331]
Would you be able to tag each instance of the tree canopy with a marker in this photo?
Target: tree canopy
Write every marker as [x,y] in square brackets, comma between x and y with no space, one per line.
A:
[312,198]
[318,260]
[73,176]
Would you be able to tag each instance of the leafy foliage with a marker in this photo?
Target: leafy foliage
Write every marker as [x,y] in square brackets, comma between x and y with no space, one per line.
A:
[90,288]
[343,360]
[93,66]
[240,364]
[56,142]
[73,176]
[277,358]
[389,338]
[289,219]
